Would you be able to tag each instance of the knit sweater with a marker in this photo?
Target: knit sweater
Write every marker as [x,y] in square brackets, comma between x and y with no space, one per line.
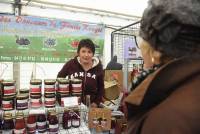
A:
[92,80]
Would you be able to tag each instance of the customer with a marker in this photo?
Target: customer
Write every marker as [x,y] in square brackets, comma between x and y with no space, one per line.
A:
[87,68]
[167,100]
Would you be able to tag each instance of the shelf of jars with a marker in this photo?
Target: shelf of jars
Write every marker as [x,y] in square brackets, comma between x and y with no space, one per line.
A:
[29,111]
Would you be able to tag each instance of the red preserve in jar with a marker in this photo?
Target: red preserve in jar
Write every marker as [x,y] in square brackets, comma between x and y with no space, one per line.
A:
[49,100]
[49,85]
[31,124]
[36,101]
[67,119]
[76,86]
[35,86]
[8,103]
[53,123]
[8,87]
[76,121]
[63,86]
[20,127]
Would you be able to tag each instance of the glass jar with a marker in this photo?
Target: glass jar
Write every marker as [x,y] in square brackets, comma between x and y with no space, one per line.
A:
[36,101]
[49,85]
[8,103]
[67,119]
[8,123]
[76,86]
[63,86]
[20,127]
[22,101]
[76,121]
[53,123]
[35,86]
[41,123]
[49,100]
[8,88]
[31,124]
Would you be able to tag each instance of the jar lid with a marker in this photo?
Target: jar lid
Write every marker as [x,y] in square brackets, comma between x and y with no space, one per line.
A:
[49,95]
[8,114]
[76,80]
[22,96]
[8,97]
[36,81]
[8,82]
[36,95]
[63,81]
[24,90]
[49,81]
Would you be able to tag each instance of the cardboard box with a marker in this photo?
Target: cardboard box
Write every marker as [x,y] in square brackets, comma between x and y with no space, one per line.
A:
[112,90]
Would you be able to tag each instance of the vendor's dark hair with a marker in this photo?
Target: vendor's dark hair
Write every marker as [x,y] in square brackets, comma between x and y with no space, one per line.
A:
[86,43]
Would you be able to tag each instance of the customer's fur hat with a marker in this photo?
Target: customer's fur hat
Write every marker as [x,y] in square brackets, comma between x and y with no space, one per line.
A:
[172,26]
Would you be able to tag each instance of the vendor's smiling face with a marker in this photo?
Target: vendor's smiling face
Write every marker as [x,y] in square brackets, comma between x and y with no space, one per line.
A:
[85,55]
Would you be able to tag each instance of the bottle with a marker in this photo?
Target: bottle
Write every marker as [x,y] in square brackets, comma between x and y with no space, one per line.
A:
[53,123]
[20,127]
[87,101]
[8,123]
[67,119]
[31,124]
[76,122]
[41,123]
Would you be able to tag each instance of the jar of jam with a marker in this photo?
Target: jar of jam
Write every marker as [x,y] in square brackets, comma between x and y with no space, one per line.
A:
[76,121]
[36,101]
[76,86]
[53,123]
[67,119]
[8,103]
[63,86]
[22,101]
[8,88]
[60,98]
[35,86]
[20,127]
[41,123]
[8,123]
[31,124]
[24,91]
[1,91]
[49,85]
[49,100]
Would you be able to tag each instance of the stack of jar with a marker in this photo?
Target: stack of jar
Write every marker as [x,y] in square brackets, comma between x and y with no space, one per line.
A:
[49,93]
[8,95]
[63,90]
[35,93]
[77,88]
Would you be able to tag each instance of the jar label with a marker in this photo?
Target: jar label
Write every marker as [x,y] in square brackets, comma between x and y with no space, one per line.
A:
[35,100]
[20,131]
[53,126]
[41,125]
[49,86]
[76,85]
[50,99]
[35,88]
[75,122]
[33,125]
[69,123]
[63,86]
[22,101]
[9,90]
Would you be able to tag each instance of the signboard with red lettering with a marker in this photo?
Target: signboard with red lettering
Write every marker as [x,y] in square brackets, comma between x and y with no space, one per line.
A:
[33,39]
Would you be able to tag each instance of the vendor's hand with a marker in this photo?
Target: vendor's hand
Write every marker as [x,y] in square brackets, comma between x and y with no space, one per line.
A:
[94,105]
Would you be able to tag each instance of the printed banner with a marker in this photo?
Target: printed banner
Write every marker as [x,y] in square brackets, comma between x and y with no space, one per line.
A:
[32,39]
